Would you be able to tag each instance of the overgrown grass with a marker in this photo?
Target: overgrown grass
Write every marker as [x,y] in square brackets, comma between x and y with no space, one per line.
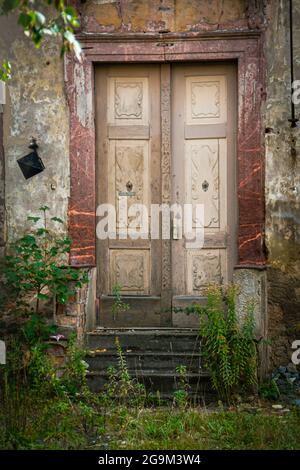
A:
[45,404]
[50,425]
[197,430]
[41,409]
[45,407]
[59,424]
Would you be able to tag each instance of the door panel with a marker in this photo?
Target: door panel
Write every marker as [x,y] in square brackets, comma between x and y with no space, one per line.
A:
[165,135]
[206,99]
[130,270]
[128,127]
[203,99]
[129,173]
[205,160]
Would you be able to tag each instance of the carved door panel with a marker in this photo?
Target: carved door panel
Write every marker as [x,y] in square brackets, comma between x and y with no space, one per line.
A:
[165,135]
[128,151]
[203,115]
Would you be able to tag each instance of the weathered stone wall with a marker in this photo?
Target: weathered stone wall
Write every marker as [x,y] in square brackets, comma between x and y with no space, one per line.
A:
[35,106]
[282,183]
[163,15]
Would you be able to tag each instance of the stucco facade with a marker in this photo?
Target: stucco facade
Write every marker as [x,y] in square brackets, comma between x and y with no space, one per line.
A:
[282,182]
[41,103]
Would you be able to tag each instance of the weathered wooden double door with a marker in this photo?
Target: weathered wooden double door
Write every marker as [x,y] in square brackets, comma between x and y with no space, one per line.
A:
[165,136]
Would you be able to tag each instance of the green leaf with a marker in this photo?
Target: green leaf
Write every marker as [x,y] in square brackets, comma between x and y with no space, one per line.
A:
[70,11]
[44,208]
[55,28]
[33,218]
[42,296]
[57,219]
[40,18]
[48,31]
[41,231]
[24,20]
[69,36]
[28,240]
[73,44]
[5,71]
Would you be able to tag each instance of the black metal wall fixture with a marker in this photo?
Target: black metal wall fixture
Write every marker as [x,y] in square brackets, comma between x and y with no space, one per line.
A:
[31,164]
[293,120]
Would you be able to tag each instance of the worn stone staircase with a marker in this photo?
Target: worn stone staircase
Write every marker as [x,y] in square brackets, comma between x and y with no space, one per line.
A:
[152,356]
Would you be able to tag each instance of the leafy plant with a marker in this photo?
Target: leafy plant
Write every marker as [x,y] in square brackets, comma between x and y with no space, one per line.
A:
[36,329]
[52,18]
[269,390]
[73,378]
[121,387]
[5,71]
[229,346]
[43,407]
[181,395]
[33,386]
[118,305]
[35,269]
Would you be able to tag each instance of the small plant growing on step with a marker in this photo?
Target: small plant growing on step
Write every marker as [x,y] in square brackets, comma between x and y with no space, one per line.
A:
[35,268]
[181,395]
[119,306]
[121,387]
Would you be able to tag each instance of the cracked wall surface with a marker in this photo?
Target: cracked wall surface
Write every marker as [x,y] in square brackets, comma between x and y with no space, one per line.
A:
[35,106]
[282,183]
[163,15]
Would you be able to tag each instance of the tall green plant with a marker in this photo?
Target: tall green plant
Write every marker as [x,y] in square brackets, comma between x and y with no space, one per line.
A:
[118,306]
[35,269]
[181,395]
[229,346]
[121,387]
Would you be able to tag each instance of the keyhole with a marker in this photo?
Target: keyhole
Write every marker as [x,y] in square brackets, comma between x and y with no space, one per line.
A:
[129,186]
[205,185]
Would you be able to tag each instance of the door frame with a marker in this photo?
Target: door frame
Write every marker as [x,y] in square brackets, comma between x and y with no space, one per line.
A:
[244,48]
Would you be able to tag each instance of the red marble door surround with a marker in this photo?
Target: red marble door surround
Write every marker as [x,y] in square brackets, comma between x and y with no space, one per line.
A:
[245,49]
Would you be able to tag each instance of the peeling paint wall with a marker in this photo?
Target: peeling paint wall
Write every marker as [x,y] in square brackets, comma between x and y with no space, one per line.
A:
[35,106]
[163,15]
[282,183]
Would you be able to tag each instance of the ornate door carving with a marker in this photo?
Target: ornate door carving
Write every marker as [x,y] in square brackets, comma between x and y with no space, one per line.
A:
[203,99]
[165,135]
[128,144]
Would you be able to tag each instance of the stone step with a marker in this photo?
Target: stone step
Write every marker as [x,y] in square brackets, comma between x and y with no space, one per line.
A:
[152,356]
[162,383]
[146,339]
[137,361]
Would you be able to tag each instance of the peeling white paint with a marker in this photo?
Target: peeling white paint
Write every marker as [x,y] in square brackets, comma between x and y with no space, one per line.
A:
[84,98]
